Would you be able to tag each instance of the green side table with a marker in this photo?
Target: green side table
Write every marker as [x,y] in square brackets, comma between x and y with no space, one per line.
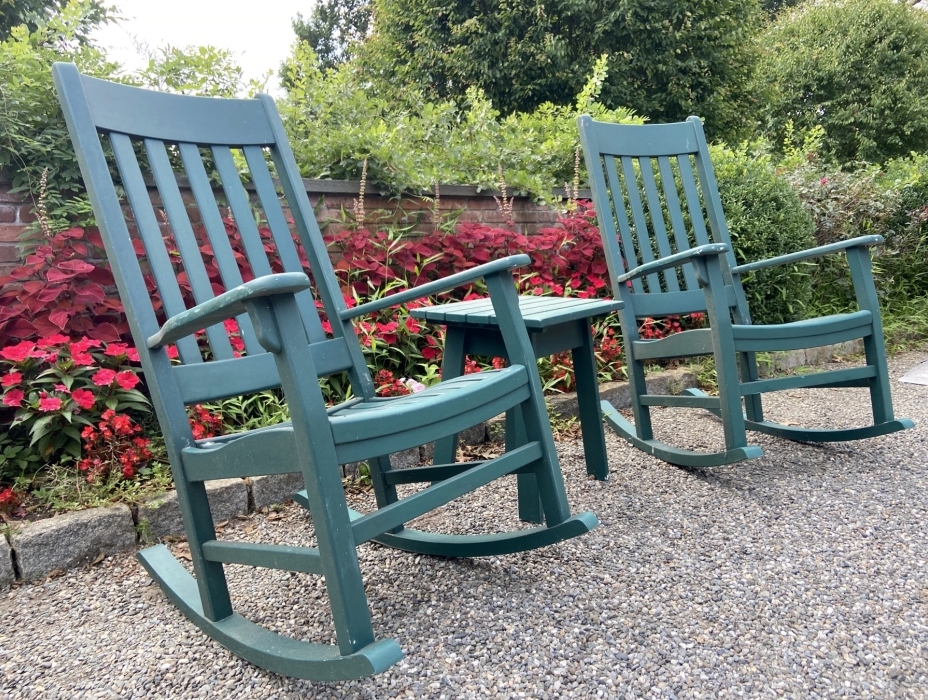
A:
[554,324]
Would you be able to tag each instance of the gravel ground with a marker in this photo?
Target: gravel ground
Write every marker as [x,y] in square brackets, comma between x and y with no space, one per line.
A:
[801,574]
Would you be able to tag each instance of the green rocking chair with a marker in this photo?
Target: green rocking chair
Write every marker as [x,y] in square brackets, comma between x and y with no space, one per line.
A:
[212,141]
[654,190]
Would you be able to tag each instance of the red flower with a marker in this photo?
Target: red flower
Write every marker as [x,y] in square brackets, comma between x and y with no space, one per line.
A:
[18,352]
[49,403]
[14,397]
[62,388]
[11,379]
[172,352]
[127,380]
[103,377]
[132,354]
[85,399]
[53,341]
[82,359]
[116,349]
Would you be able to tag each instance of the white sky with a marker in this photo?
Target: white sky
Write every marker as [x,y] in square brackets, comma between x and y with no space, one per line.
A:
[259,32]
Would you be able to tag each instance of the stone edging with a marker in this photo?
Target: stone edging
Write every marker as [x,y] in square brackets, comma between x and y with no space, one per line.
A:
[38,549]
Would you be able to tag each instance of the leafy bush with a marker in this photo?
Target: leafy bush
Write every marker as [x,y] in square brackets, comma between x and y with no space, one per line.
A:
[337,123]
[857,68]
[765,219]
[667,58]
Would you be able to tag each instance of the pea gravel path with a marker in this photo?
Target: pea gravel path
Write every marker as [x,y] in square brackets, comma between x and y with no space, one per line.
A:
[801,575]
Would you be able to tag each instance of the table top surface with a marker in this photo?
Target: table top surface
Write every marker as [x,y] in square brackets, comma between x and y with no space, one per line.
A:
[538,311]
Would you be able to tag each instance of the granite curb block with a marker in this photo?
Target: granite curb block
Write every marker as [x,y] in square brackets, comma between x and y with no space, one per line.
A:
[72,539]
[160,516]
[7,573]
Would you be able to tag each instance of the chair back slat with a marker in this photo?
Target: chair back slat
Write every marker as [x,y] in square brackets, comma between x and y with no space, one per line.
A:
[283,238]
[658,224]
[640,236]
[693,202]
[150,234]
[216,234]
[681,238]
[614,217]
[187,244]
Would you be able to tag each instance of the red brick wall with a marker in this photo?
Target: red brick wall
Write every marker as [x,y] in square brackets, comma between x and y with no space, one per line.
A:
[417,213]
[15,215]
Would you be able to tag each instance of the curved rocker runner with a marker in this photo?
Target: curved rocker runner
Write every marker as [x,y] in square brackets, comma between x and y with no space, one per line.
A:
[210,141]
[644,177]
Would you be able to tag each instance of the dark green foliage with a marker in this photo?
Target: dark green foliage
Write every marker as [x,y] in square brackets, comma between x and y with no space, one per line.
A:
[667,59]
[765,219]
[857,68]
[34,12]
[772,7]
[332,27]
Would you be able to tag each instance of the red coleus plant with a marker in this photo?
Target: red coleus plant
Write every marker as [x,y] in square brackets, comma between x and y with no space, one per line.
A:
[55,384]
[62,287]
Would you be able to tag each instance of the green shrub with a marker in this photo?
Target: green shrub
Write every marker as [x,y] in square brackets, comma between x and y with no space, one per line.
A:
[857,68]
[667,58]
[765,219]
[336,123]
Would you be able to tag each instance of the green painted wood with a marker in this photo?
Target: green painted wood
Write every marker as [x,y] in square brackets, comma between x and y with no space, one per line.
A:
[494,545]
[274,652]
[664,170]
[831,434]
[285,348]
[218,380]
[682,401]
[216,234]
[385,519]
[811,253]
[697,341]
[671,454]
[268,556]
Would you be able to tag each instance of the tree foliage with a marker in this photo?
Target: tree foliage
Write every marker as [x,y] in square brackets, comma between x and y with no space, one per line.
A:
[667,58]
[856,68]
[34,12]
[333,27]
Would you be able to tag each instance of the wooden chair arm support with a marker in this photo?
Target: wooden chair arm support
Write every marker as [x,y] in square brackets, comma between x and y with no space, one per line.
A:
[450,282]
[674,260]
[226,306]
[860,241]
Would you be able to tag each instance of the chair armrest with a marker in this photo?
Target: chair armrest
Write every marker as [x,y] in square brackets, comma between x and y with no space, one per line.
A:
[674,260]
[450,282]
[226,305]
[817,252]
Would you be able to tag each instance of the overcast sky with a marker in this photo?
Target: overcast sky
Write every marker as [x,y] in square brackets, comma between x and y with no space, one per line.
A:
[259,32]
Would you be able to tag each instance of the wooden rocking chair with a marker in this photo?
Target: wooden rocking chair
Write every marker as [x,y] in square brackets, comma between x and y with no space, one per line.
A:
[661,174]
[212,141]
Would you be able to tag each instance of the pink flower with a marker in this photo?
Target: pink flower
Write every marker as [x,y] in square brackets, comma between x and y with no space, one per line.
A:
[18,352]
[11,379]
[84,398]
[116,349]
[132,354]
[50,403]
[14,397]
[83,345]
[103,377]
[127,380]
[62,388]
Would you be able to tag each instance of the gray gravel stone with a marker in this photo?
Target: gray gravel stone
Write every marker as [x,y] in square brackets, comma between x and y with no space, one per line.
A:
[71,539]
[801,574]
[7,574]
[274,488]
[160,516]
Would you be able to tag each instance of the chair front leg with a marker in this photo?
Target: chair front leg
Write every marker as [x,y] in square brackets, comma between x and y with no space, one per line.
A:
[709,275]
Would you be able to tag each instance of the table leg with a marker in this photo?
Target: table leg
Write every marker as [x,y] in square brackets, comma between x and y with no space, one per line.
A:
[591,419]
[452,365]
